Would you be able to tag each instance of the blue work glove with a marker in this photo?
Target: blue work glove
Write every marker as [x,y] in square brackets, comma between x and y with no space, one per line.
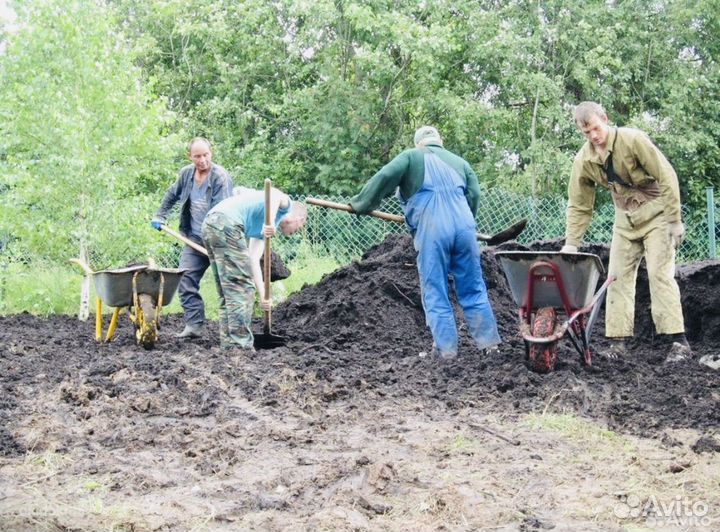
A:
[157,224]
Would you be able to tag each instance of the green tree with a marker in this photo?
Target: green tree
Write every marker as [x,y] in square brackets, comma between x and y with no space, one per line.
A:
[79,132]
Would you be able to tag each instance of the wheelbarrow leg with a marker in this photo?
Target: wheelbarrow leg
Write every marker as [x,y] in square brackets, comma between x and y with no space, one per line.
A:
[98,320]
[158,310]
[113,324]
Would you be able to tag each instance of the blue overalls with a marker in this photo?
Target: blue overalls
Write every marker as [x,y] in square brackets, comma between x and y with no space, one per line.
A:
[445,239]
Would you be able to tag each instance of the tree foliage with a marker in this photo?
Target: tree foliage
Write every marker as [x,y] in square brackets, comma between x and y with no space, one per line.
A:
[319,94]
[80,136]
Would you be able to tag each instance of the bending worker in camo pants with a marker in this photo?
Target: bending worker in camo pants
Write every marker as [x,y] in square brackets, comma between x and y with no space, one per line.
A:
[233,232]
[646,194]
[440,196]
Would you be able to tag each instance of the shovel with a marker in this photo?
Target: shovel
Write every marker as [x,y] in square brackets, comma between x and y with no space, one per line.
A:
[184,240]
[267,340]
[278,272]
[503,236]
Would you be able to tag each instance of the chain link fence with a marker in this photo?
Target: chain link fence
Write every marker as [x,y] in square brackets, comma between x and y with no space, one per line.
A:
[346,236]
[31,274]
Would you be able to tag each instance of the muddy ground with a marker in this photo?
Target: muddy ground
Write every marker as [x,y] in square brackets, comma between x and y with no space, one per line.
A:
[350,427]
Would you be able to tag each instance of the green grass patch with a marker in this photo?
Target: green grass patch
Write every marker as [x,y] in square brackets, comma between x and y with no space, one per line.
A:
[572,427]
[308,270]
[47,290]
[38,290]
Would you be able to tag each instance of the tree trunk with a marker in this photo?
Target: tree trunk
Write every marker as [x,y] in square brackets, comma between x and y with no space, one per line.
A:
[84,311]
[533,145]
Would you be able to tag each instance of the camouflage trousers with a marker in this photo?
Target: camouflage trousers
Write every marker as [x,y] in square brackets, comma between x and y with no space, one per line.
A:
[638,234]
[230,264]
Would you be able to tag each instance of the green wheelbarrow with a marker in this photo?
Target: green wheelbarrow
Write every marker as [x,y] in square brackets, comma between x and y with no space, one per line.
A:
[143,289]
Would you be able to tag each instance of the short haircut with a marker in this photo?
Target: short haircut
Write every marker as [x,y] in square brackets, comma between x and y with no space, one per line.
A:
[195,140]
[586,110]
[298,210]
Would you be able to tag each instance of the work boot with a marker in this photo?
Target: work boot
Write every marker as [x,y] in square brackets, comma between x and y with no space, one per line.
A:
[679,347]
[191,331]
[617,349]
[493,350]
[443,356]
[679,351]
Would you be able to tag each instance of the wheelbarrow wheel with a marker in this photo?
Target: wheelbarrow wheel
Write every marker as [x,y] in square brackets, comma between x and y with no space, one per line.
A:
[146,322]
[543,357]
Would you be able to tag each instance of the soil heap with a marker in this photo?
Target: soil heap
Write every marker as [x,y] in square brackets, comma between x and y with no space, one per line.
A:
[363,326]
[355,336]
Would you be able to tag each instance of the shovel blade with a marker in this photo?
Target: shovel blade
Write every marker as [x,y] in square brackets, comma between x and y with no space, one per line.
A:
[506,234]
[268,341]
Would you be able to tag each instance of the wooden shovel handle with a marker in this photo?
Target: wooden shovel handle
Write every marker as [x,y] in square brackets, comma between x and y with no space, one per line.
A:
[507,234]
[184,240]
[267,258]
[345,207]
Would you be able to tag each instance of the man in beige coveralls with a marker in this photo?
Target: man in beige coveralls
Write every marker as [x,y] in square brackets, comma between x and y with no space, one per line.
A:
[646,194]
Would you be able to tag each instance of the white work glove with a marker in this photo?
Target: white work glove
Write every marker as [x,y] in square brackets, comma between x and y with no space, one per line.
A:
[568,248]
[676,231]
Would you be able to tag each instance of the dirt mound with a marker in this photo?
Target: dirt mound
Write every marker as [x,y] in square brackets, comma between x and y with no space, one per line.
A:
[360,333]
[363,326]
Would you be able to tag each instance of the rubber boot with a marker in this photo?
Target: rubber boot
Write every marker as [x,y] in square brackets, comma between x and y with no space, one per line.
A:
[191,331]
[679,348]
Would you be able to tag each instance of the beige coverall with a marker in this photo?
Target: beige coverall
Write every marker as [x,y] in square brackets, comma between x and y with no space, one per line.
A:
[642,214]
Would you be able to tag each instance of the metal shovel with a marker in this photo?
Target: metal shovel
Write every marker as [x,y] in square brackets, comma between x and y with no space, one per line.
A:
[267,340]
[503,236]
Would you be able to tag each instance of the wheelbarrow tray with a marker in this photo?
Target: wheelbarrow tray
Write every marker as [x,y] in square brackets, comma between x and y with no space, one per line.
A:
[547,285]
[580,274]
[115,287]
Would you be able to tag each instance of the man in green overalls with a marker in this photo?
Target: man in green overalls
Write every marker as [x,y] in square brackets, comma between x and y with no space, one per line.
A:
[646,195]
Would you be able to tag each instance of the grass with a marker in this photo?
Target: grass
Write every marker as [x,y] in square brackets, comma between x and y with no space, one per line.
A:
[572,427]
[48,462]
[55,289]
[37,290]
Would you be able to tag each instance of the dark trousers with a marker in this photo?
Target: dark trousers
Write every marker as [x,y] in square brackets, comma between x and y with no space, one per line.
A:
[189,290]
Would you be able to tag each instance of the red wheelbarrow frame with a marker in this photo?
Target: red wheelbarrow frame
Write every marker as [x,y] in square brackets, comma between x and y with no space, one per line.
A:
[579,321]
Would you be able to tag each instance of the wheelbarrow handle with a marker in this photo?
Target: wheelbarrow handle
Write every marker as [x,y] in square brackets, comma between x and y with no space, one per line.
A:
[83,265]
[184,240]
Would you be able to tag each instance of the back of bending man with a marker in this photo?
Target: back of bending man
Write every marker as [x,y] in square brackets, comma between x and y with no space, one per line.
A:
[440,196]
[233,233]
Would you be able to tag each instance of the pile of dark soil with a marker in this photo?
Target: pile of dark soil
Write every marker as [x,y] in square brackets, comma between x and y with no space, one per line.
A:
[359,334]
[363,327]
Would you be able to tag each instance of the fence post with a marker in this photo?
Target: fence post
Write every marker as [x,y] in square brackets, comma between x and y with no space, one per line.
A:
[710,193]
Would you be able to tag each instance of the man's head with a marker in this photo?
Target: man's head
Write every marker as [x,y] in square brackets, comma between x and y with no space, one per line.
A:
[592,121]
[427,135]
[200,153]
[295,219]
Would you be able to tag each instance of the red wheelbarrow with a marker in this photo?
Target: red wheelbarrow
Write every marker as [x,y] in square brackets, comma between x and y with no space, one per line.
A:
[555,293]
